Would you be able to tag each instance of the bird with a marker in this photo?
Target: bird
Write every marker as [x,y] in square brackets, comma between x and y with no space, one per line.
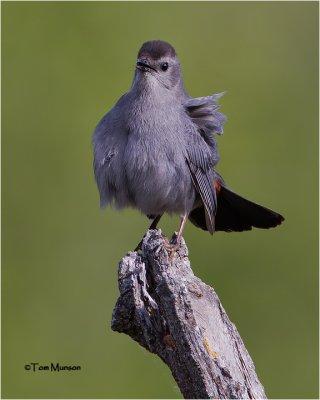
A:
[156,151]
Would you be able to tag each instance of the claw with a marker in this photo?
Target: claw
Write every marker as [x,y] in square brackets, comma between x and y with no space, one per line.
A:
[172,246]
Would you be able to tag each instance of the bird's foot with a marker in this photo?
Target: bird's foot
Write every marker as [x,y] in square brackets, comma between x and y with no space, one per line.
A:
[172,246]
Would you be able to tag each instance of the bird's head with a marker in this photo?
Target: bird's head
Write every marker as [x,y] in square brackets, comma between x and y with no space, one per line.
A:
[158,64]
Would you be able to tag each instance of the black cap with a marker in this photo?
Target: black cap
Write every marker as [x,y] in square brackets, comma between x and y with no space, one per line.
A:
[156,49]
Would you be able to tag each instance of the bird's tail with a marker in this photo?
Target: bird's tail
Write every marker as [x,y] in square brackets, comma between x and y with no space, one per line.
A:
[235,213]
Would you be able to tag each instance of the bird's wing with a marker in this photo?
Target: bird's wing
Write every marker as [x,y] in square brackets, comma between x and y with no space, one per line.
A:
[109,141]
[202,151]
[204,113]
[203,182]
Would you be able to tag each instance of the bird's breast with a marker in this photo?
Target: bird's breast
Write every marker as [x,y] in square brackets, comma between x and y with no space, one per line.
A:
[155,163]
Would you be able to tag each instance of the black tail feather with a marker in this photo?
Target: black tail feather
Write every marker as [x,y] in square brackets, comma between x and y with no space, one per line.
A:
[236,214]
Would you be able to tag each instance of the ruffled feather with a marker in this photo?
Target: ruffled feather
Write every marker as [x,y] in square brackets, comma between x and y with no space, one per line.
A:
[204,112]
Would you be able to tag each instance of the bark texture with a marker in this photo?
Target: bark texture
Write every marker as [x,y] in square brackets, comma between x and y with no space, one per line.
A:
[172,313]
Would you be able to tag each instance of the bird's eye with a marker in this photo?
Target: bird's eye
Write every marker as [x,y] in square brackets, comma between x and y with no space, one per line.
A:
[164,66]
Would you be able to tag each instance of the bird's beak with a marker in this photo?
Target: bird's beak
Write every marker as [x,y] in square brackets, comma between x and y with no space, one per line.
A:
[144,65]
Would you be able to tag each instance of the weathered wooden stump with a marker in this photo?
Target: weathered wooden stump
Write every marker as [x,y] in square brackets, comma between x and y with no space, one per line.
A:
[172,313]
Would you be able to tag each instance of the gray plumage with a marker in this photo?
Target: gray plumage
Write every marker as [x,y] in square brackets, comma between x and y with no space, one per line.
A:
[155,150]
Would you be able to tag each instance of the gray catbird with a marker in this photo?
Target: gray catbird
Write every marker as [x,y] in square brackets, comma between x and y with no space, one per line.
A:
[155,150]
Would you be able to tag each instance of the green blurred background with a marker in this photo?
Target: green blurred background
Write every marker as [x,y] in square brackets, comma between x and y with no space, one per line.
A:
[63,66]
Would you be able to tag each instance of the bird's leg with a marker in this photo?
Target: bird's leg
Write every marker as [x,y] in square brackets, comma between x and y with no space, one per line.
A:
[153,225]
[177,239]
[155,222]
[174,243]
